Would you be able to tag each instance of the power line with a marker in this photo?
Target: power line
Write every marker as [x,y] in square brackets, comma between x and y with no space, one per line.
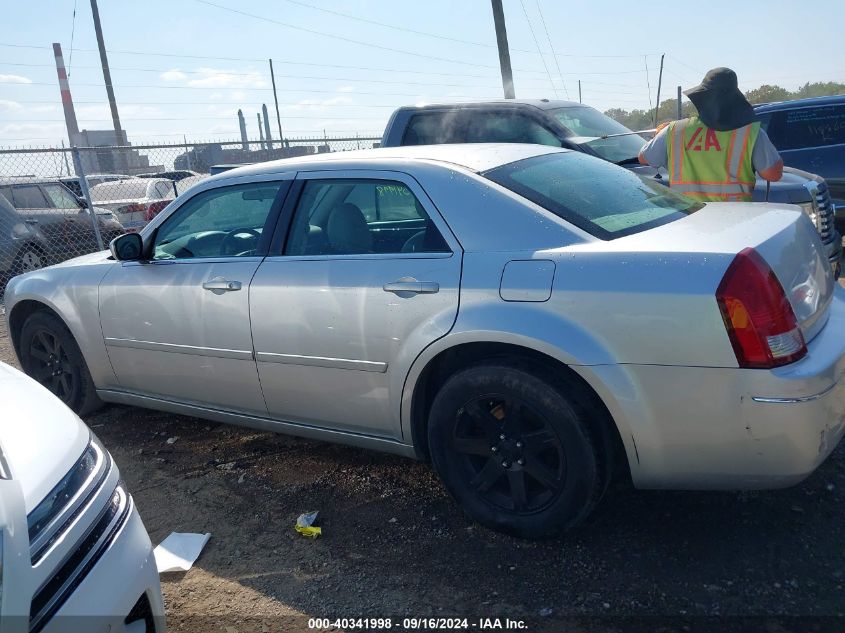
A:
[300,90]
[342,37]
[537,44]
[257,73]
[72,32]
[552,48]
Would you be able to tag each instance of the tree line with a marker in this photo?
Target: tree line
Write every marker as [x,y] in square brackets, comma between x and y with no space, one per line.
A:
[668,110]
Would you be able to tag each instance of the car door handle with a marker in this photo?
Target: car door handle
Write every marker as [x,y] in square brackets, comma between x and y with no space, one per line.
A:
[30,221]
[219,283]
[412,286]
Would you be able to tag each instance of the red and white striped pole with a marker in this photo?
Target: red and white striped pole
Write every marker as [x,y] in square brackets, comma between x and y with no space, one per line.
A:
[67,100]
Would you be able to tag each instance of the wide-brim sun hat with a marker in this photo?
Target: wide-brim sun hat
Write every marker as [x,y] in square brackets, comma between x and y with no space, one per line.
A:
[719,101]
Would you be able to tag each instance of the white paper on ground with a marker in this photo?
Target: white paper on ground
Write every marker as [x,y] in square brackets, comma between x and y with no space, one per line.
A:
[179,551]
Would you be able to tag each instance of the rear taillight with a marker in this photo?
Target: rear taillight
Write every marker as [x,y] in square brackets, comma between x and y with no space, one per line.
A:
[759,319]
[154,208]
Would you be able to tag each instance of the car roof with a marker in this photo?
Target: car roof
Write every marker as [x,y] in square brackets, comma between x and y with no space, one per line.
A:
[477,157]
[30,180]
[542,104]
[799,103]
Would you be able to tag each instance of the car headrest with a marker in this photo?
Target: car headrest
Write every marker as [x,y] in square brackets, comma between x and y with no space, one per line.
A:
[347,230]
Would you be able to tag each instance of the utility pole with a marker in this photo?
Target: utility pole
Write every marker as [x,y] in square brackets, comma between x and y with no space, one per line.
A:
[121,139]
[276,99]
[680,106]
[579,92]
[504,51]
[659,82]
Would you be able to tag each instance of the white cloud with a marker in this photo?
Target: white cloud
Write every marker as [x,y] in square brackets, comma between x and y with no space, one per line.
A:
[173,75]
[15,79]
[10,106]
[217,78]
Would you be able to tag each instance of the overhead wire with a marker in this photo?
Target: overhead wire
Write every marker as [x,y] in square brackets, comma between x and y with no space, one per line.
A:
[531,28]
[552,48]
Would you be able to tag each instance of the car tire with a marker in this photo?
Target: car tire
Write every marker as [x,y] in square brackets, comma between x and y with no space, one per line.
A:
[29,258]
[516,448]
[51,356]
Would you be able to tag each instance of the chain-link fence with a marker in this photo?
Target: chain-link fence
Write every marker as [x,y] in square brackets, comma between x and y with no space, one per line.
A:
[47,195]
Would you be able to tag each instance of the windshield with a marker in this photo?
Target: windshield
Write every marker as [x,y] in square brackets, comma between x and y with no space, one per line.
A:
[590,123]
[603,199]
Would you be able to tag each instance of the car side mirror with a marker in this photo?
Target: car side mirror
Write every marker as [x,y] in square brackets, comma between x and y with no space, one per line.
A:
[81,201]
[127,248]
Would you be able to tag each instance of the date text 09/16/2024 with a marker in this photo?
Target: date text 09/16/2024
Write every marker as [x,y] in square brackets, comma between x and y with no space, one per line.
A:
[417,624]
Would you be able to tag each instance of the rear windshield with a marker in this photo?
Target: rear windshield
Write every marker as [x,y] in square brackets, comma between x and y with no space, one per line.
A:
[120,190]
[603,199]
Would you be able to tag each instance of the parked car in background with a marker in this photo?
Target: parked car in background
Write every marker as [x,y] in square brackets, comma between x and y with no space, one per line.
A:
[72,182]
[75,555]
[576,126]
[810,135]
[177,174]
[42,222]
[526,316]
[135,201]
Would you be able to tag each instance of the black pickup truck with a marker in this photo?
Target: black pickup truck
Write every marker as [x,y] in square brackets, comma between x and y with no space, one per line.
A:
[582,128]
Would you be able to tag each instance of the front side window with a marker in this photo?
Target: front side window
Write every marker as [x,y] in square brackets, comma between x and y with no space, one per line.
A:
[357,217]
[508,127]
[60,197]
[603,199]
[225,222]
[29,197]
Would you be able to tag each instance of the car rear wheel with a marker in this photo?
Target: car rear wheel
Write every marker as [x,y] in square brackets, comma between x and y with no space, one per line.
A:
[50,355]
[515,449]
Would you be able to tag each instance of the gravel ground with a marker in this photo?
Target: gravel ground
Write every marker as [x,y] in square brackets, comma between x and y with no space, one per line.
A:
[394,544]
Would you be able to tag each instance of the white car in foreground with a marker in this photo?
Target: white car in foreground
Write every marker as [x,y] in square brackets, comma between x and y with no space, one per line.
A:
[74,554]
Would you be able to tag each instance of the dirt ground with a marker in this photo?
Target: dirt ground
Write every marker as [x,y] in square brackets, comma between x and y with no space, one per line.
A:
[395,545]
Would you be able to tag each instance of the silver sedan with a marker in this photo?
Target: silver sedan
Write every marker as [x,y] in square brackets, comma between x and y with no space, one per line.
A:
[532,320]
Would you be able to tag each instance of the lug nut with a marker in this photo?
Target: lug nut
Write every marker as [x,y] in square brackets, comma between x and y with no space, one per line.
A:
[519,444]
[494,449]
[502,437]
[505,465]
[520,461]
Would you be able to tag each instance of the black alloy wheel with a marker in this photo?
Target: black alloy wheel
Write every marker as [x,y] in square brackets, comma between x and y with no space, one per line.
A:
[518,447]
[512,455]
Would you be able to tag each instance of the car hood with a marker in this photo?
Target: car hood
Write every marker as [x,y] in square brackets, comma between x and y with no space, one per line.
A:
[40,437]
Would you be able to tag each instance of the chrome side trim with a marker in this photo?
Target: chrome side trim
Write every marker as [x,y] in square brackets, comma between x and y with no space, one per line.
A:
[794,400]
[321,361]
[372,442]
[173,348]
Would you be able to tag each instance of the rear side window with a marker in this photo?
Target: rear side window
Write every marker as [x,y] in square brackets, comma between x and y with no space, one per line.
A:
[603,199]
[508,127]
[29,197]
[434,128]
[807,127]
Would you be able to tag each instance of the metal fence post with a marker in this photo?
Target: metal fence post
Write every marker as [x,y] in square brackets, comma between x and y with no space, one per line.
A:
[86,194]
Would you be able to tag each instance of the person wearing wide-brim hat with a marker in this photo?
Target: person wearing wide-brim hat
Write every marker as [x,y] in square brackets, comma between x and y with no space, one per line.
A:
[713,156]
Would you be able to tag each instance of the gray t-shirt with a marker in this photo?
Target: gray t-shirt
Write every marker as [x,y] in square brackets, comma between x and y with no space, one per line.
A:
[763,156]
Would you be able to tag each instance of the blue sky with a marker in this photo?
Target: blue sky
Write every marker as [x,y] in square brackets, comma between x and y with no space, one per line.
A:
[184,67]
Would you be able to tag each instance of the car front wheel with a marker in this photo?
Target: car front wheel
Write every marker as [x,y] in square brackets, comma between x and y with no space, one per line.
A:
[515,449]
[50,355]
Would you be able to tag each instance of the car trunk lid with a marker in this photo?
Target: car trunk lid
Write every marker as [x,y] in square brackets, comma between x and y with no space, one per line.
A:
[781,234]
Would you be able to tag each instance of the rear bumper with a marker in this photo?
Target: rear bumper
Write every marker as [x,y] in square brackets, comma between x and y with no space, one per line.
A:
[122,576]
[724,428]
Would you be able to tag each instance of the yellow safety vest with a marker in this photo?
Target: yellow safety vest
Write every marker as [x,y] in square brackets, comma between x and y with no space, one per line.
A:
[709,164]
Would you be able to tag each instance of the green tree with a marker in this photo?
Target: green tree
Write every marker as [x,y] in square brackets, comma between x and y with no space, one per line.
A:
[768,94]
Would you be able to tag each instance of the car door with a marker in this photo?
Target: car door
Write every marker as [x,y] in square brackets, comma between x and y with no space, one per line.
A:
[339,309]
[176,325]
